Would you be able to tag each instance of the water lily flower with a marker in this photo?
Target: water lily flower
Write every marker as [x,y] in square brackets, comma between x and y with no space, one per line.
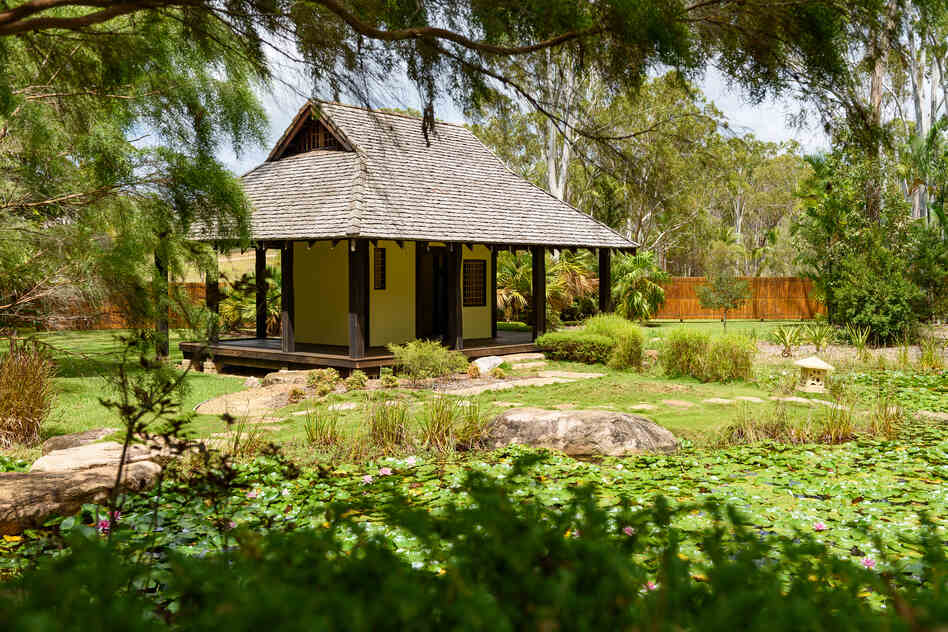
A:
[231,525]
[819,526]
[253,493]
[385,471]
[411,460]
[868,562]
[104,525]
[367,479]
[286,491]
[628,530]
[650,585]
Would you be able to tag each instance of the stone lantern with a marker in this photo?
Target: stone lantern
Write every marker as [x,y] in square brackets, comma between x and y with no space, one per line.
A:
[813,374]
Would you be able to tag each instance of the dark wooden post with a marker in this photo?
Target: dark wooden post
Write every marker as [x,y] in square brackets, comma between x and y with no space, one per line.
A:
[539,290]
[212,298]
[287,299]
[455,297]
[358,297]
[260,280]
[492,297]
[162,345]
[605,280]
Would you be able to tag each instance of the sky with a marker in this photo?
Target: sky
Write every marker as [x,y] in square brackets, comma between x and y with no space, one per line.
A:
[768,121]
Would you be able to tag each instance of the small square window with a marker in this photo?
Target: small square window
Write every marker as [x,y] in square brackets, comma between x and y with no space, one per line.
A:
[379,269]
[475,283]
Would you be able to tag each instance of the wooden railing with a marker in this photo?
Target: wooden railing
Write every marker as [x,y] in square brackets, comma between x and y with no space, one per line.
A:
[772,298]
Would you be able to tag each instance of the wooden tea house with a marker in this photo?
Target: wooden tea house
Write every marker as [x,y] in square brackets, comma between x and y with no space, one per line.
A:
[388,235]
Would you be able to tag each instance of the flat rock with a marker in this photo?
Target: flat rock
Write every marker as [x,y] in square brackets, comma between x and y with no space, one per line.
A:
[642,406]
[933,415]
[793,400]
[717,400]
[344,406]
[27,499]
[250,403]
[63,442]
[508,384]
[487,363]
[565,406]
[538,364]
[580,432]
[749,398]
[523,357]
[508,404]
[252,382]
[572,375]
[678,403]
[286,377]
[91,455]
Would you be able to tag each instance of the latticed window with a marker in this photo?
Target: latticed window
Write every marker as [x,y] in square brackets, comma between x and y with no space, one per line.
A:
[475,283]
[379,268]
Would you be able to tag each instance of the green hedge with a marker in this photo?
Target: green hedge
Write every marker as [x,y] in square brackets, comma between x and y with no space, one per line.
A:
[576,346]
[513,325]
[686,352]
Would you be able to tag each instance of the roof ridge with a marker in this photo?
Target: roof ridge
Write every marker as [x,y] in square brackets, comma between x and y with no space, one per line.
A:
[382,112]
[564,202]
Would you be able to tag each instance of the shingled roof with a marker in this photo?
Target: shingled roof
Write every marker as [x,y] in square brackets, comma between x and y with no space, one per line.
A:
[386,182]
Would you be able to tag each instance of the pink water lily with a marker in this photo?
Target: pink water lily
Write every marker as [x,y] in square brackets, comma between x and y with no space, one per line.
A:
[628,530]
[367,479]
[253,493]
[868,562]
[411,460]
[819,526]
[650,585]
[104,525]
[385,471]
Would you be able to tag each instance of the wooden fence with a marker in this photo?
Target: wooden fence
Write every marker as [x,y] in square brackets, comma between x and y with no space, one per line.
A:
[110,316]
[772,298]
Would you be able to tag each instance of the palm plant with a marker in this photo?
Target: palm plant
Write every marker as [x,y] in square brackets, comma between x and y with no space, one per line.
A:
[636,290]
[238,307]
[569,279]
[818,334]
[514,282]
[859,338]
[788,338]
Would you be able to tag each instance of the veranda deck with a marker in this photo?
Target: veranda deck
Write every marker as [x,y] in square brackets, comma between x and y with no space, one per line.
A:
[266,352]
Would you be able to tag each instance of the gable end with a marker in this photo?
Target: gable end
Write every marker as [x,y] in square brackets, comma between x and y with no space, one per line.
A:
[306,133]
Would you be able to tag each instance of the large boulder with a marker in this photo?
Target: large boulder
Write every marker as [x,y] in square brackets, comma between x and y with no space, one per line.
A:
[90,456]
[63,442]
[580,432]
[27,499]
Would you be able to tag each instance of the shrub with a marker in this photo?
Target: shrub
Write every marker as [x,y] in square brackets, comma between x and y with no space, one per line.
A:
[387,378]
[296,395]
[388,426]
[324,381]
[357,380]
[321,428]
[932,352]
[611,326]
[729,358]
[576,346]
[627,353]
[26,392]
[684,352]
[473,371]
[859,338]
[498,373]
[697,354]
[423,359]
